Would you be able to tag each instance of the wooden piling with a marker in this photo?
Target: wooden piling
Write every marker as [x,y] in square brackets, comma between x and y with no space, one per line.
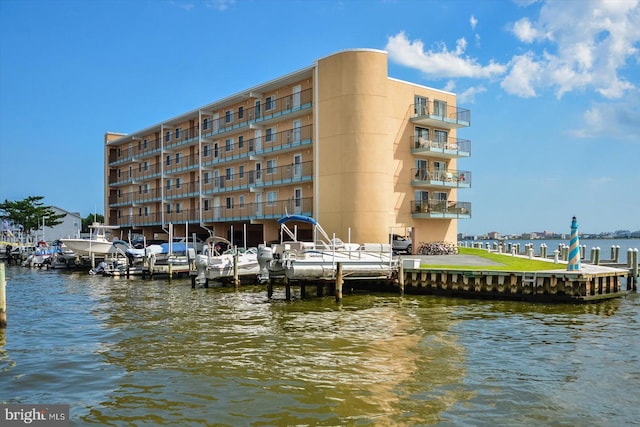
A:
[401,279]
[3,298]
[236,280]
[269,289]
[339,284]
[287,289]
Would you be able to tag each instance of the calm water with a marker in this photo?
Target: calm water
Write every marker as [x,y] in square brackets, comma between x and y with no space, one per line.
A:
[132,352]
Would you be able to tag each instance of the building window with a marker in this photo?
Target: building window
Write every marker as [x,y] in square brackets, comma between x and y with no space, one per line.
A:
[146,211]
[206,151]
[240,112]
[177,158]
[119,216]
[241,172]
[139,189]
[178,182]
[206,204]
[168,136]
[240,142]
[241,201]
[146,189]
[168,160]
[119,173]
[178,133]
[229,174]
[168,208]
[271,198]
[139,167]
[271,166]
[216,150]
[270,135]
[178,207]
[228,116]
[421,105]
[439,108]
[139,211]
[169,184]
[440,136]
[146,166]
[146,144]
[207,177]
[206,123]
[270,103]
[130,171]
[228,144]
[229,202]
[139,145]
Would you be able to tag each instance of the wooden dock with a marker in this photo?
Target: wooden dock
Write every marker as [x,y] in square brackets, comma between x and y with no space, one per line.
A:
[592,283]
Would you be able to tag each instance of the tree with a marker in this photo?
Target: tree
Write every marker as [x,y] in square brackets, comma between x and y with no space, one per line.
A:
[29,213]
[90,219]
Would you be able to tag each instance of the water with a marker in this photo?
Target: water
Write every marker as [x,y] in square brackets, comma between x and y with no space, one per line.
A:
[133,353]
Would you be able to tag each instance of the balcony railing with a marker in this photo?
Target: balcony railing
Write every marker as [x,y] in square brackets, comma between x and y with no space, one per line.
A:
[279,141]
[448,148]
[441,178]
[276,108]
[237,212]
[440,114]
[282,175]
[440,209]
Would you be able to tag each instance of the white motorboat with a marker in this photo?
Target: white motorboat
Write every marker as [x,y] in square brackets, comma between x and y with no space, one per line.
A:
[213,265]
[319,259]
[96,244]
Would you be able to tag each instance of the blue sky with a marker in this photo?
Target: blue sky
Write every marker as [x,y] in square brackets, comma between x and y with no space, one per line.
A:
[553,89]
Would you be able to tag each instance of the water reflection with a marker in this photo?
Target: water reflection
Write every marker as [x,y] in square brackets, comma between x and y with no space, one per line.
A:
[148,353]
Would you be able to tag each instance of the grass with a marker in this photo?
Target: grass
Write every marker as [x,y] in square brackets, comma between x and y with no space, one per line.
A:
[508,262]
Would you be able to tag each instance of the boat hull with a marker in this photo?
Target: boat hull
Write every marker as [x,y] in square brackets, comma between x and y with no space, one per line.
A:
[87,247]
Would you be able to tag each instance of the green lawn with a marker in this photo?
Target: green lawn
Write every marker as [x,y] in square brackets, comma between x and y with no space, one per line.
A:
[508,262]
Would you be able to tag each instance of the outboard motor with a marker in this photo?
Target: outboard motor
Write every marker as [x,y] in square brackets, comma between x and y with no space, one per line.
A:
[99,268]
[265,256]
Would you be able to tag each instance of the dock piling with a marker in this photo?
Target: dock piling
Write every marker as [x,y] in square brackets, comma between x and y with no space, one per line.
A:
[3,298]
[339,282]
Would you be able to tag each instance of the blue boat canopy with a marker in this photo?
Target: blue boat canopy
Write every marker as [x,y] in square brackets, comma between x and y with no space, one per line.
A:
[301,218]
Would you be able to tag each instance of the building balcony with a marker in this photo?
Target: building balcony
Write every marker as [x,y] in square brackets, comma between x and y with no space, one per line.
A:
[261,116]
[449,178]
[450,148]
[440,209]
[441,115]
[250,181]
[234,213]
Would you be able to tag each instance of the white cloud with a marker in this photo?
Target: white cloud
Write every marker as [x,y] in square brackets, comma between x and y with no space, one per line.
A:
[586,45]
[571,46]
[612,120]
[523,77]
[468,96]
[441,63]
[524,31]
[473,21]
[221,5]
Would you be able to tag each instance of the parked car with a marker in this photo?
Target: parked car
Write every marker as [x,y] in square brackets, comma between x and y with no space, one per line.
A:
[401,243]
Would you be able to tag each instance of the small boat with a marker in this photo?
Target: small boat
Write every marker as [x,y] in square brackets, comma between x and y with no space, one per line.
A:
[40,257]
[97,244]
[215,263]
[319,259]
[63,257]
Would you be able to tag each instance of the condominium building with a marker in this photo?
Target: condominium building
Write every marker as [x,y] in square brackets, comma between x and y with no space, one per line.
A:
[365,154]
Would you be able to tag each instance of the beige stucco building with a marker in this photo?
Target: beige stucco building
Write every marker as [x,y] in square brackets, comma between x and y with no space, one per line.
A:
[363,153]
